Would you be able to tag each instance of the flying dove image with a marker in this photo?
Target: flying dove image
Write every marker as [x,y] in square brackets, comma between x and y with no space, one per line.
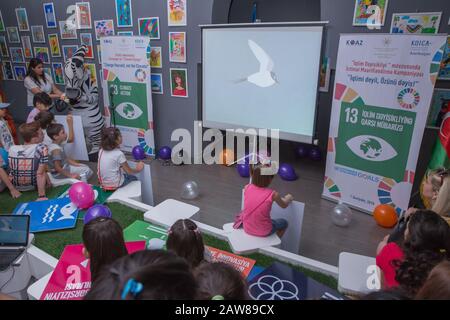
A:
[265,77]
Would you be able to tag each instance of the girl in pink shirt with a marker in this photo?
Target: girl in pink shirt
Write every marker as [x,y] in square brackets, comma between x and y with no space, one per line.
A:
[258,199]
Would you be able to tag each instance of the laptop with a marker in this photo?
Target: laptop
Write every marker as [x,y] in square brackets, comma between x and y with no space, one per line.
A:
[14,230]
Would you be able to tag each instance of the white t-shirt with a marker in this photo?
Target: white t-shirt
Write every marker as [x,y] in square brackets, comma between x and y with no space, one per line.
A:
[47,140]
[30,84]
[111,175]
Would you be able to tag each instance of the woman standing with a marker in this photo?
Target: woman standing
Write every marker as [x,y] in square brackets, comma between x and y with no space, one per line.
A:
[37,81]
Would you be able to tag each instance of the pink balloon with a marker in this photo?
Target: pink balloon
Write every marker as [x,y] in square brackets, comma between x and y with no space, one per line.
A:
[82,195]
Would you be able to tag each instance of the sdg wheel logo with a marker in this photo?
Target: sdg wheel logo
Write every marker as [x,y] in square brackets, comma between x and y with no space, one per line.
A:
[408,98]
[140,75]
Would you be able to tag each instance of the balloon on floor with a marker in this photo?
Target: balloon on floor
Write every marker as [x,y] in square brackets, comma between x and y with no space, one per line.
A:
[165,153]
[341,215]
[97,211]
[138,153]
[190,190]
[82,195]
[385,215]
[243,170]
[287,172]
[302,150]
[315,153]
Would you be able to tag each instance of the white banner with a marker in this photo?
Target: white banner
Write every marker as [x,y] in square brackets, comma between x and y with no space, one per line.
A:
[383,89]
[126,89]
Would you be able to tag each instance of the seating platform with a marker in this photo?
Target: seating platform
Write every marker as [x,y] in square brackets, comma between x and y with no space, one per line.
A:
[168,212]
[354,274]
[132,191]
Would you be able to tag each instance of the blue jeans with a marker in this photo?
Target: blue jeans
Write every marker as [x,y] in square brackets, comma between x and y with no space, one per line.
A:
[278,224]
[128,179]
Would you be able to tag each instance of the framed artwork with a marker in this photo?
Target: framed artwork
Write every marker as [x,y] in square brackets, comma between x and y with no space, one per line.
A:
[176,12]
[86,39]
[67,33]
[22,19]
[13,34]
[93,72]
[125,33]
[3,47]
[149,27]
[157,83]
[69,51]
[370,13]
[20,73]
[83,14]
[177,47]
[58,75]
[53,41]
[42,53]
[17,55]
[2,24]
[103,28]
[49,13]
[8,71]
[48,71]
[27,48]
[178,83]
[38,34]
[419,22]
[124,13]
[325,73]
[444,72]
[440,106]
[99,53]
[156,57]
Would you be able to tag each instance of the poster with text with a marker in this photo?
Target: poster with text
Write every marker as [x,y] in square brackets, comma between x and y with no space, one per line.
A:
[126,88]
[383,90]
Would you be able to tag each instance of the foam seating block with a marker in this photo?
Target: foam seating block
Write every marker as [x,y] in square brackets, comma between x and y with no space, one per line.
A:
[60,182]
[130,191]
[169,211]
[353,274]
[242,243]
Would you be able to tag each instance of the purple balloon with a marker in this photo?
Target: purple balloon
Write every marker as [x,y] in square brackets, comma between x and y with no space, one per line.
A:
[138,153]
[165,153]
[243,170]
[97,211]
[315,154]
[302,151]
[287,172]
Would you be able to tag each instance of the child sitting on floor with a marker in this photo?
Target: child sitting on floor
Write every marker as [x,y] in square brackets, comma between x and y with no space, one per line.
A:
[103,243]
[46,118]
[41,102]
[113,169]
[60,166]
[258,199]
[28,162]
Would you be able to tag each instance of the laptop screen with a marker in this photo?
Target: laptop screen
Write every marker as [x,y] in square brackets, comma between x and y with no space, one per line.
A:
[14,230]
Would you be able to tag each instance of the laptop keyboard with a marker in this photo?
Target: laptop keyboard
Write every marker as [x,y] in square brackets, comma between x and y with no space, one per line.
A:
[7,258]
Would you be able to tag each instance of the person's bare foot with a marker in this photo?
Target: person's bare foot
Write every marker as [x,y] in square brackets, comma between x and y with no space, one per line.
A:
[15,193]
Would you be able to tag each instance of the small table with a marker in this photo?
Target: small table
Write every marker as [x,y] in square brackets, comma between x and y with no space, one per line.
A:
[168,212]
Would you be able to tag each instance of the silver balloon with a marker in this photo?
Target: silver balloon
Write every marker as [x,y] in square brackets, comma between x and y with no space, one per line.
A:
[190,190]
[341,215]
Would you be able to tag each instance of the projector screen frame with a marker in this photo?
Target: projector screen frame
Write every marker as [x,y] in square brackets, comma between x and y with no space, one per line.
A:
[282,135]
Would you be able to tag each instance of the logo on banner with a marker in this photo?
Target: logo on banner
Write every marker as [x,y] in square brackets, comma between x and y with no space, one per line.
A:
[140,75]
[408,98]
[129,110]
[355,42]
[371,148]
[273,288]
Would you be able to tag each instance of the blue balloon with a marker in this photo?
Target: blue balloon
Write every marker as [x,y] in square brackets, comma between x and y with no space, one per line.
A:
[165,153]
[138,153]
[315,154]
[97,211]
[243,170]
[302,151]
[287,172]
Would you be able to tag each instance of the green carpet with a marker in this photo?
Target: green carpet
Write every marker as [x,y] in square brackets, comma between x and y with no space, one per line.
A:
[54,242]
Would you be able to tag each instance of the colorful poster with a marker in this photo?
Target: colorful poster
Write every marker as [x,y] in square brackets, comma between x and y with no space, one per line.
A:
[58,75]
[22,19]
[149,27]
[241,264]
[67,33]
[27,48]
[281,282]
[374,139]
[370,13]
[90,67]
[444,72]
[48,71]
[53,41]
[13,35]
[42,53]
[83,15]
[71,278]
[8,70]
[49,13]
[440,106]
[177,47]
[49,215]
[103,28]
[38,34]
[426,22]
[176,12]
[156,57]
[17,55]
[124,13]
[325,73]
[86,39]
[3,47]
[2,24]
[178,83]
[20,73]
[127,80]
[155,237]
[157,83]
[69,51]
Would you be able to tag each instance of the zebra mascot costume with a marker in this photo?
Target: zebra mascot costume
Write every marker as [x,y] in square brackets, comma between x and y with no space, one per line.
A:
[82,95]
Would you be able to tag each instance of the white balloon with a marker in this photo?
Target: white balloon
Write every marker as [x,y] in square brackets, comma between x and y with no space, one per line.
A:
[190,190]
[341,215]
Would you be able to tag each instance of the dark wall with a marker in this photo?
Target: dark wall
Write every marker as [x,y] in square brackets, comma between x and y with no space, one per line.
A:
[169,112]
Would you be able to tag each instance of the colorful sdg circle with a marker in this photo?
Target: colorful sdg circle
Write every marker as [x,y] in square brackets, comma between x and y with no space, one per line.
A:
[408,98]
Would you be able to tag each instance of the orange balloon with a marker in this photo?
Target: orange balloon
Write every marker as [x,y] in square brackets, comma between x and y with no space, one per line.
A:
[226,156]
[385,215]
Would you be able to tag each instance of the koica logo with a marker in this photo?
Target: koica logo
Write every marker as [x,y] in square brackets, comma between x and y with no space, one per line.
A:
[129,111]
[355,42]
[420,43]
[371,148]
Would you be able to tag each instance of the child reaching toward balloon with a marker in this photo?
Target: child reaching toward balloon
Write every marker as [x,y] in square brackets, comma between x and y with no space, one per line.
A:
[113,169]
[258,199]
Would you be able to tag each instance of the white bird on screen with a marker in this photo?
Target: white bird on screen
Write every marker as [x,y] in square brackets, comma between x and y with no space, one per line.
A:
[265,77]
